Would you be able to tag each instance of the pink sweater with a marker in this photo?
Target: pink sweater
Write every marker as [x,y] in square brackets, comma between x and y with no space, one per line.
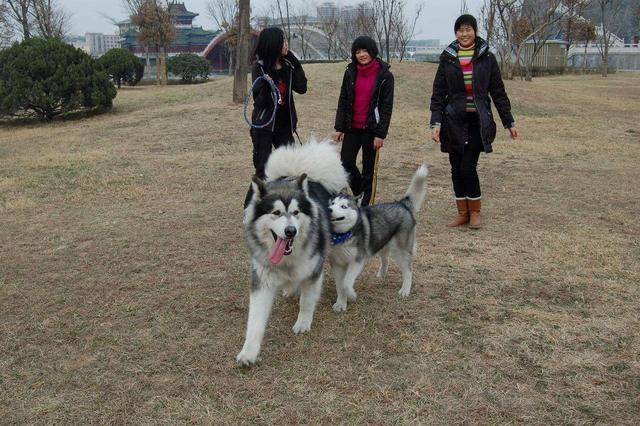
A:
[365,79]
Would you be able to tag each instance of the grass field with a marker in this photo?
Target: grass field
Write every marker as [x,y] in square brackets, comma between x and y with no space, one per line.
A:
[124,277]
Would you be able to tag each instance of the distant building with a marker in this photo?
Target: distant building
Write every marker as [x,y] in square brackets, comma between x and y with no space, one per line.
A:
[97,44]
[218,53]
[424,50]
[327,11]
[189,38]
[352,13]
[125,26]
[551,57]
[76,41]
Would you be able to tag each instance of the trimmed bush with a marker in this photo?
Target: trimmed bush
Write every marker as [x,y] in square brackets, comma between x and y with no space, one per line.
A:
[189,67]
[122,66]
[48,77]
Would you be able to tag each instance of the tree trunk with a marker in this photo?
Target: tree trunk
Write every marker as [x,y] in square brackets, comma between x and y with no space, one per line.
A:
[584,59]
[157,65]
[242,53]
[147,61]
[232,63]
[163,55]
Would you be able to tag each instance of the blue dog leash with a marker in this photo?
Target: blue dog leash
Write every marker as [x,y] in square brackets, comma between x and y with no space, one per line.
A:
[275,96]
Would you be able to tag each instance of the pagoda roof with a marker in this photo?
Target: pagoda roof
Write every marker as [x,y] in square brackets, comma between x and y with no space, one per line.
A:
[179,9]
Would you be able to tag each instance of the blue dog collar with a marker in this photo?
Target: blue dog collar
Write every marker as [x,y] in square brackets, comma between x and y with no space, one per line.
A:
[337,239]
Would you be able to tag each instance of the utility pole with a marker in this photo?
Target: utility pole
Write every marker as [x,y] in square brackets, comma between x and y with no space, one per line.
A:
[242,52]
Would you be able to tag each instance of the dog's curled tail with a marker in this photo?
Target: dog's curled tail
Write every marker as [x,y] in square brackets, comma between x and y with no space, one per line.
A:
[417,191]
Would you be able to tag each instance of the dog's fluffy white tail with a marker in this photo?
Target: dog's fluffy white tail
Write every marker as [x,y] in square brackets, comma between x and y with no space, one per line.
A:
[319,160]
[417,191]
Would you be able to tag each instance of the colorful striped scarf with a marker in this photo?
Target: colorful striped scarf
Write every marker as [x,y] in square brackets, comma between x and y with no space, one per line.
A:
[465,56]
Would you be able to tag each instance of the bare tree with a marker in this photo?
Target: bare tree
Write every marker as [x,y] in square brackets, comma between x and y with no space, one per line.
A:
[50,19]
[20,13]
[404,28]
[537,18]
[6,26]
[463,7]
[611,18]
[585,31]
[330,25]
[225,15]
[155,28]
[301,25]
[488,16]
[575,27]
[285,19]
[504,14]
[385,12]
[242,52]
[360,21]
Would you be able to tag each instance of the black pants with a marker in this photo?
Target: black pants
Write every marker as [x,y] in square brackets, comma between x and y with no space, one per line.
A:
[360,183]
[464,175]
[263,141]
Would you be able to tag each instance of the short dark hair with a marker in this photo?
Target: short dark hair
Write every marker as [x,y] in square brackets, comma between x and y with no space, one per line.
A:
[466,19]
[366,43]
[269,46]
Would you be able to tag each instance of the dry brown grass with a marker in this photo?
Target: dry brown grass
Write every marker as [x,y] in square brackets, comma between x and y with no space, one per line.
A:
[124,279]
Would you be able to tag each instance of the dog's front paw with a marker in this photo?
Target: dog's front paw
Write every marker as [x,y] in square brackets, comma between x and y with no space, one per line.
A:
[404,291]
[351,295]
[340,306]
[301,326]
[246,357]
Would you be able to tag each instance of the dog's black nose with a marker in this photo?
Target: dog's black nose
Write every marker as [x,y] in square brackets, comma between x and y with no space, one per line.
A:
[290,231]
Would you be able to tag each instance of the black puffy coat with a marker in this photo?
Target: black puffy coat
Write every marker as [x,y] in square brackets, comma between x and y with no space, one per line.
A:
[380,104]
[448,102]
[262,100]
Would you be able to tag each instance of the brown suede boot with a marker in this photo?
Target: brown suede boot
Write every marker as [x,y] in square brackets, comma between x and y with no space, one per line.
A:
[474,214]
[463,214]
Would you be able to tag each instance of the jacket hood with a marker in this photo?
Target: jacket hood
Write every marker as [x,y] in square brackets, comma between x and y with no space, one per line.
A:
[481,48]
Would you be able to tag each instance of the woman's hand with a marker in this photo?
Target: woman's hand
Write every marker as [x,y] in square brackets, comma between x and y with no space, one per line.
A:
[514,133]
[435,134]
[339,137]
[377,143]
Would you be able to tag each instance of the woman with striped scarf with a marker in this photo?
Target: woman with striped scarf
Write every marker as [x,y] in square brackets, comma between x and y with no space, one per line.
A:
[467,80]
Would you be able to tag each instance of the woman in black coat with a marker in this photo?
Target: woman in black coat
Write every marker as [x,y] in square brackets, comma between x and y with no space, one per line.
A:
[461,117]
[363,115]
[274,62]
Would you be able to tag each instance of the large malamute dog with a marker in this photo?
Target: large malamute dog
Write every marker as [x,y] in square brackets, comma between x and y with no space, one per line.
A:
[359,233]
[287,233]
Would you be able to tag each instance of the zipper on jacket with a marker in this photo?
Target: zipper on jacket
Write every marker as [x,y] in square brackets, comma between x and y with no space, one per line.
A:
[289,105]
[376,110]
[378,77]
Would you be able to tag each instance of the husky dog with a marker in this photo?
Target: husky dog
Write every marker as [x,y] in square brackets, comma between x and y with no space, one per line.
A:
[359,233]
[287,232]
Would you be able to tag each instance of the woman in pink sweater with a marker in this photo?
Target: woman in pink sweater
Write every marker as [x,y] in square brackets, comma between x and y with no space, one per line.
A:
[363,115]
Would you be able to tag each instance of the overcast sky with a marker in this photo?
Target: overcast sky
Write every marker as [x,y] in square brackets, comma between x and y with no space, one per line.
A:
[93,15]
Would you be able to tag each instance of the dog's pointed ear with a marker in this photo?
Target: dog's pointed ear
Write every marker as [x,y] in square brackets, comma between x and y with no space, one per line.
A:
[303,184]
[259,188]
[359,199]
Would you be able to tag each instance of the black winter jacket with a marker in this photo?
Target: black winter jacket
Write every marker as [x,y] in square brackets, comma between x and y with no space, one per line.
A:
[380,104]
[262,100]
[448,102]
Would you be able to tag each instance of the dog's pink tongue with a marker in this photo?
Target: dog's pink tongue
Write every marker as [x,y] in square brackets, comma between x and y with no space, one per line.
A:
[278,251]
